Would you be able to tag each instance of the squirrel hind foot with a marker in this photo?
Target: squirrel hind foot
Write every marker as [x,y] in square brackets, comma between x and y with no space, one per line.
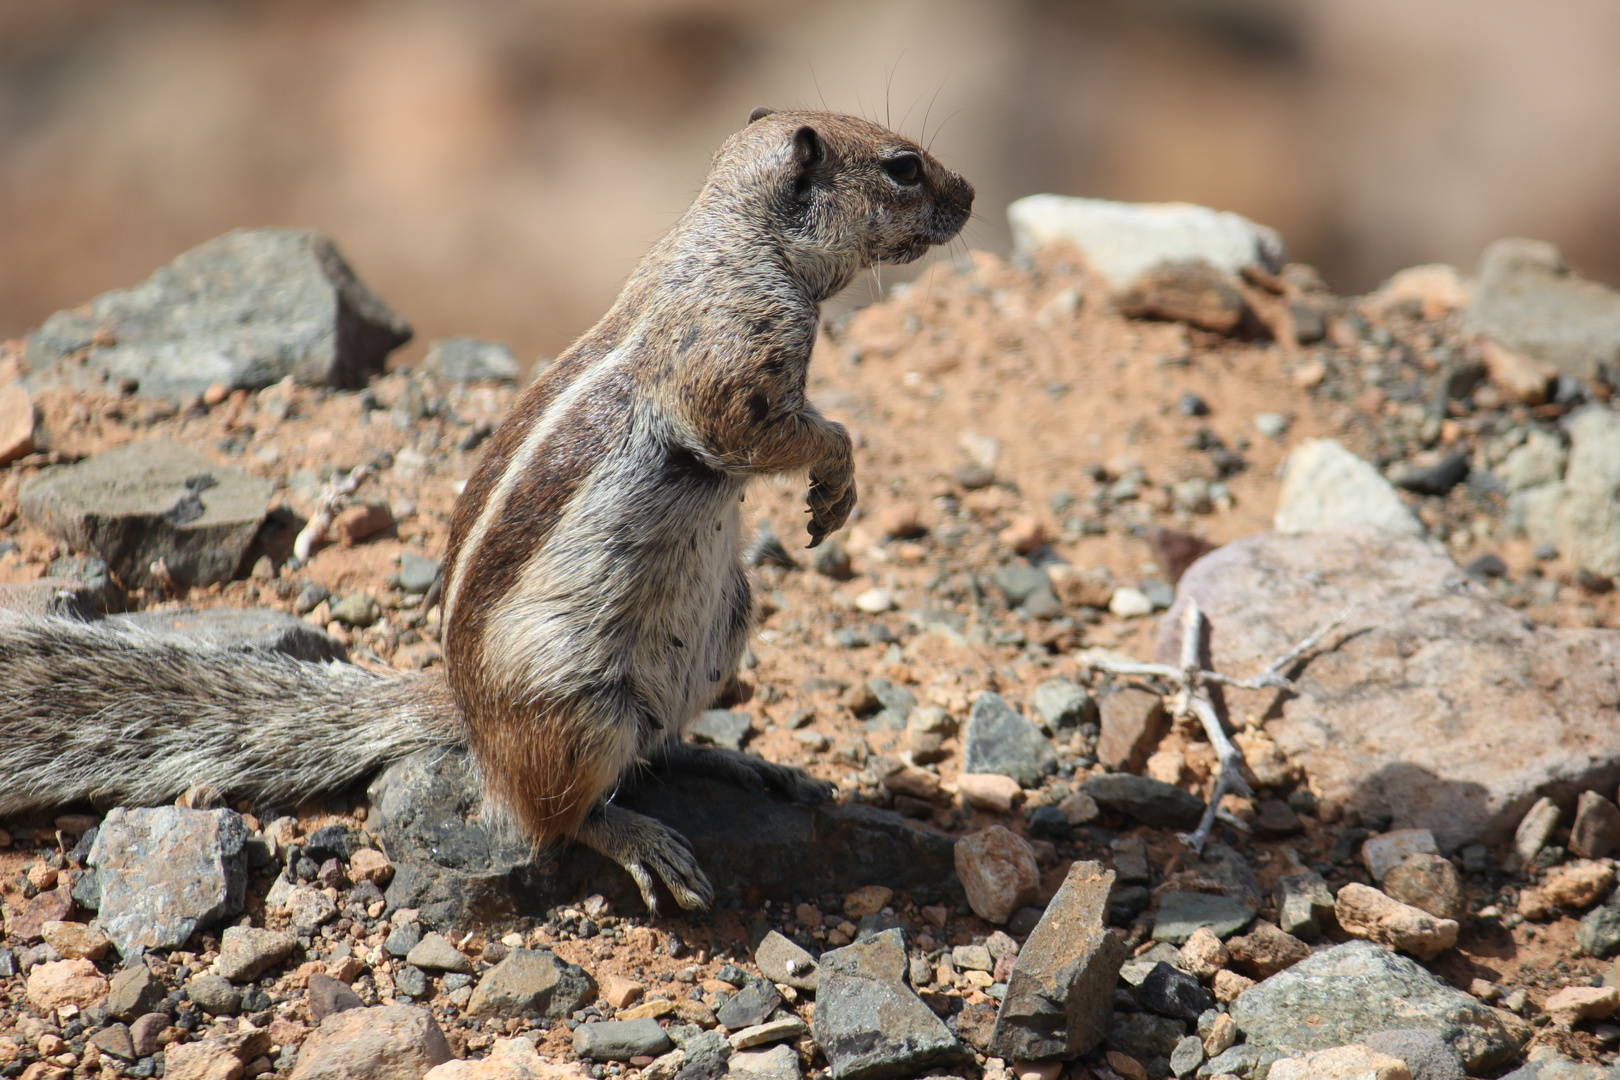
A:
[651,853]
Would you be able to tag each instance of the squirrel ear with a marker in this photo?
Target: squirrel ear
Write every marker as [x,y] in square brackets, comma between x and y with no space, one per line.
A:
[807,154]
[759,113]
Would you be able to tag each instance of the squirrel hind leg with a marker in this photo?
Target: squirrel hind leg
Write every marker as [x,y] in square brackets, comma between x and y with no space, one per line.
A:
[651,852]
[745,770]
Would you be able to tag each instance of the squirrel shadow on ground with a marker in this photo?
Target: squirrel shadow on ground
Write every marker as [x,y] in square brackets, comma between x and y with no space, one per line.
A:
[457,868]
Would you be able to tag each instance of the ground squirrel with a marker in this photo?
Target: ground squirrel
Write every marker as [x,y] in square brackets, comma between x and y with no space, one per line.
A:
[594,597]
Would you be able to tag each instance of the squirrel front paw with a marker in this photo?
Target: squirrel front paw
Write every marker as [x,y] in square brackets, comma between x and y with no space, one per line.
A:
[830,499]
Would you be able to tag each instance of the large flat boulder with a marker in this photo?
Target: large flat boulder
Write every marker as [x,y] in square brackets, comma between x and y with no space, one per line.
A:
[143,502]
[458,869]
[246,309]
[1433,702]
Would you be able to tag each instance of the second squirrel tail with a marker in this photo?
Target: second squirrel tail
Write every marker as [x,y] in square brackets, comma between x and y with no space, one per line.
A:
[119,715]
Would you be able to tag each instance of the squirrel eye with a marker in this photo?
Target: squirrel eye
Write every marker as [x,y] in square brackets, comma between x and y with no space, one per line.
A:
[905,169]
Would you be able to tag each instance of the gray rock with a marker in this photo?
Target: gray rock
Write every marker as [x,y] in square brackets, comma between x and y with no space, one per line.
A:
[114,1039]
[460,871]
[1560,1068]
[435,953]
[1427,661]
[1237,1060]
[1187,1056]
[1020,581]
[1060,996]
[214,995]
[1327,488]
[1527,299]
[1427,1056]
[245,309]
[1145,1036]
[782,961]
[309,908]
[777,1063]
[1538,460]
[998,740]
[897,702]
[1169,991]
[245,953]
[722,727]
[751,1005]
[1059,703]
[328,996]
[357,609]
[869,1023]
[1599,932]
[1588,514]
[1151,802]
[1596,831]
[135,991]
[402,939]
[416,574]
[142,502]
[467,359]
[707,1054]
[1180,913]
[241,628]
[166,872]
[620,1040]
[1121,241]
[91,574]
[411,981]
[531,982]
[1357,988]
[1304,905]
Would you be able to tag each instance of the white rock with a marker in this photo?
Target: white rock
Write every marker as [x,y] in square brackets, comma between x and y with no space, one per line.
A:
[875,601]
[1271,424]
[1123,240]
[1540,460]
[1327,488]
[1129,603]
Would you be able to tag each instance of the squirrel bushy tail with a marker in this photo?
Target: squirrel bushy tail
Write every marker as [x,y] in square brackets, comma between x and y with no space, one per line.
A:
[118,715]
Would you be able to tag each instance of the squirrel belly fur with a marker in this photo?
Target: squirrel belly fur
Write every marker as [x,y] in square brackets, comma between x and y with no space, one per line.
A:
[594,597]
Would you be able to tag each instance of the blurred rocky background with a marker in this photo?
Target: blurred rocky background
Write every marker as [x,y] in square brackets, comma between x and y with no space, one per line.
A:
[495,167]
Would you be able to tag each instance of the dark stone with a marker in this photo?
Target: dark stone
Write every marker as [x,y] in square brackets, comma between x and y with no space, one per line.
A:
[328,995]
[92,574]
[122,506]
[1046,822]
[1488,565]
[1181,913]
[707,1055]
[1599,932]
[975,1025]
[242,628]
[1193,405]
[333,842]
[1059,1000]
[411,980]
[1169,991]
[1148,801]
[753,846]
[214,995]
[999,740]
[532,982]
[1145,1036]
[621,1040]
[1426,1055]
[751,1005]
[403,938]
[1437,479]
[246,309]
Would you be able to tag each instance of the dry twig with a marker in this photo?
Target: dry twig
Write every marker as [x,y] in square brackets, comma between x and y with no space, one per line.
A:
[1190,698]
[333,498]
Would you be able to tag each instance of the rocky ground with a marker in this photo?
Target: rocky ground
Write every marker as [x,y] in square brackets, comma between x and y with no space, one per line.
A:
[1043,452]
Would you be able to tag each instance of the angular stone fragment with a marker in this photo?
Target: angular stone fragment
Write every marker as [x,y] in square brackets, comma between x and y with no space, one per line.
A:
[1151,802]
[1303,902]
[1132,722]
[165,872]
[1060,998]
[782,961]
[1326,488]
[1383,853]
[329,996]
[1265,950]
[531,982]
[16,423]
[58,983]
[1169,991]
[1535,828]
[144,502]
[1430,883]
[1364,912]
[135,991]
[1181,913]
[1527,299]
[385,1042]
[75,941]
[1596,832]
[869,1024]
[1345,992]
[435,953]
[990,791]
[998,740]
[1427,661]
[245,953]
[998,872]
[1203,954]
[751,1005]
[246,309]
